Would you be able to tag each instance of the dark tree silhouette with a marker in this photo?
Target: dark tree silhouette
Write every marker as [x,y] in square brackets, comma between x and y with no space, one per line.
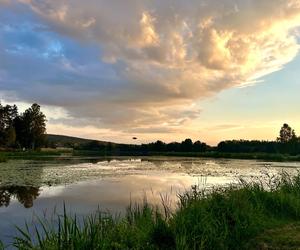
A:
[287,143]
[187,145]
[286,134]
[199,146]
[22,130]
[31,127]
[8,115]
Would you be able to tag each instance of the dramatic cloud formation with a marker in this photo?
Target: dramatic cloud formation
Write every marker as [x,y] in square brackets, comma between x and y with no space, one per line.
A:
[140,65]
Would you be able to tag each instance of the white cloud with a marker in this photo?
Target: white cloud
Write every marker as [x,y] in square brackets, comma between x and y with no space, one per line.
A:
[157,58]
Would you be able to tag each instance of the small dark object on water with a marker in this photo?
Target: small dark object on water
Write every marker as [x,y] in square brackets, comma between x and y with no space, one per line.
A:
[134,138]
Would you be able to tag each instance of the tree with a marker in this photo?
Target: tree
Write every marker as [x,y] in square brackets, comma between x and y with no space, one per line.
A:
[31,127]
[10,137]
[286,134]
[199,146]
[8,115]
[187,145]
[159,146]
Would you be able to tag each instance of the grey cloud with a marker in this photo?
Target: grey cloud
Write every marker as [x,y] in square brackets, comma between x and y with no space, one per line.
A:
[139,64]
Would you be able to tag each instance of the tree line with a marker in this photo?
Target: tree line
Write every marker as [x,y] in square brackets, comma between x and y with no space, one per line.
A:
[286,143]
[28,130]
[22,130]
[144,149]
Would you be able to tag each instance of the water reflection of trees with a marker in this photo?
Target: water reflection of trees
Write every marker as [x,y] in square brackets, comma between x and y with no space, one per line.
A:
[25,195]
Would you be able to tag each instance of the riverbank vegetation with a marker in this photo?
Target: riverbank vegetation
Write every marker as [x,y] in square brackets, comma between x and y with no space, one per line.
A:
[249,216]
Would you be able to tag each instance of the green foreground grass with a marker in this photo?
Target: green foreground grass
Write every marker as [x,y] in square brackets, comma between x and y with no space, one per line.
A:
[249,216]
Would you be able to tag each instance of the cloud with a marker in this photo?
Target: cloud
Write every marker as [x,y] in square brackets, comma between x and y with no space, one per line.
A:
[132,64]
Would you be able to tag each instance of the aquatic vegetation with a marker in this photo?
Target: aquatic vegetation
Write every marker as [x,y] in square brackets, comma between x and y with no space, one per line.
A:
[222,218]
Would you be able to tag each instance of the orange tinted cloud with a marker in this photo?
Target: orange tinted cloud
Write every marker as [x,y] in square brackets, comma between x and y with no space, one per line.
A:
[173,53]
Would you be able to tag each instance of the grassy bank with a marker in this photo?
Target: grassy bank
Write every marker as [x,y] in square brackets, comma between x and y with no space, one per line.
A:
[28,155]
[249,156]
[212,154]
[43,155]
[255,156]
[250,216]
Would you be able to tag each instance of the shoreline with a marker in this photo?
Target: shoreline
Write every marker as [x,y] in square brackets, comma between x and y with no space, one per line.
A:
[244,216]
[45,155]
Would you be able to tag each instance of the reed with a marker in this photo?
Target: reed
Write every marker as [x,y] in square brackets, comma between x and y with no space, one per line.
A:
[223,218]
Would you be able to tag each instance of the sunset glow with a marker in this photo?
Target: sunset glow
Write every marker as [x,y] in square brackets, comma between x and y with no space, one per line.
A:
[169,70]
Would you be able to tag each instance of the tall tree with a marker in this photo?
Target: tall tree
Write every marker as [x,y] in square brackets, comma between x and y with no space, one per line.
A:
[31,127]
[286,134]
[199,146]
[187,145]
[8,114]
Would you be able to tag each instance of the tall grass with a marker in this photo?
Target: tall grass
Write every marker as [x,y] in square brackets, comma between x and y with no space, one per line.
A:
[228,218]
[223,218]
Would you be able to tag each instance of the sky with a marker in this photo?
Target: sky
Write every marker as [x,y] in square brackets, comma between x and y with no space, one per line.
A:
[208,70]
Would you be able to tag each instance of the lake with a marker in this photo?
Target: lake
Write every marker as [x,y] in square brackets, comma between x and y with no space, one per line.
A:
[37,189]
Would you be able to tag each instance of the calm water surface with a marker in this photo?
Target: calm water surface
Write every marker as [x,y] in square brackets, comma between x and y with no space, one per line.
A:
[31,189]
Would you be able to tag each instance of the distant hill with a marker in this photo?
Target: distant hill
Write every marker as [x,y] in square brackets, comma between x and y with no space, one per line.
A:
[69,141]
